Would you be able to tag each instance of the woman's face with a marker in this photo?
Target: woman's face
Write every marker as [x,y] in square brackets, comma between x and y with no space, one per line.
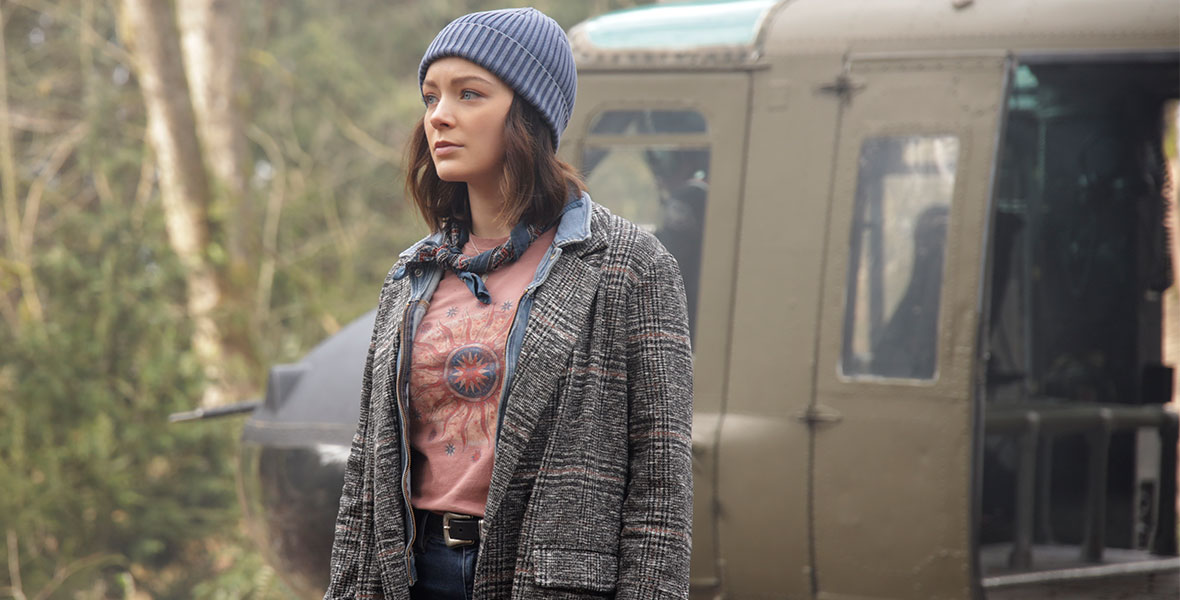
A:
[466,106]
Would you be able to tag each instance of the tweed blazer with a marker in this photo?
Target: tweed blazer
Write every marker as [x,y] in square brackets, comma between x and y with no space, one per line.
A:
[591,489]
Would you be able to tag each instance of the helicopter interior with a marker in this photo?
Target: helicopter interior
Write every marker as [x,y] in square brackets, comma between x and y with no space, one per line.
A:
[1078,461]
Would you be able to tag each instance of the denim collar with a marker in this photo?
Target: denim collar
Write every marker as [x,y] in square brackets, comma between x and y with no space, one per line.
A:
[573,228]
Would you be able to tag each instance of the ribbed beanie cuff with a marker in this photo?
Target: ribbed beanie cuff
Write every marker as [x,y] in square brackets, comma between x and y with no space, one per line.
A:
[526,49]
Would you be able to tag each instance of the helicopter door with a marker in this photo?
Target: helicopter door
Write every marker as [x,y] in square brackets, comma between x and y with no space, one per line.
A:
[657,149]
[892,417]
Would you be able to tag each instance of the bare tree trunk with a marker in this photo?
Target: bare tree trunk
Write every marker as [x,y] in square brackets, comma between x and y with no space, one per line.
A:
[210,35]
[210,38]
[184,188]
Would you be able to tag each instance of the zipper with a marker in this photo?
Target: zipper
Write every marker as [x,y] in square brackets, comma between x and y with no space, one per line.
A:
[403,359]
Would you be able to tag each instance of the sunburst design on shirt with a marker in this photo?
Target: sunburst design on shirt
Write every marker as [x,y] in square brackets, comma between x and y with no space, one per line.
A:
[457,376]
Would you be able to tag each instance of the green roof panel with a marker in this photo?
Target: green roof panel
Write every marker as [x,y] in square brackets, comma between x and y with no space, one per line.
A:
[681,25]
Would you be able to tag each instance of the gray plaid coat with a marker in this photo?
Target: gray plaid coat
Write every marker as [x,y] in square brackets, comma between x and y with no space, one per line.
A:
[591,492]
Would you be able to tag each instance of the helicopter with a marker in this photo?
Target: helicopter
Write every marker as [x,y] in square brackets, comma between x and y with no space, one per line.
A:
[925,255]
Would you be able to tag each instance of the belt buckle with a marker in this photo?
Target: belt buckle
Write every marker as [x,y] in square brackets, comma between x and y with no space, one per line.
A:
[452,542]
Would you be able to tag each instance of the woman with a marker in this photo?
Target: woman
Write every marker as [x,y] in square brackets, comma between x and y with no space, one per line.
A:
[525,415]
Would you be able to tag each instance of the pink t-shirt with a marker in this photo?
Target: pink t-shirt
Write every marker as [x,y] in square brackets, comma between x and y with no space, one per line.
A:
[456,379]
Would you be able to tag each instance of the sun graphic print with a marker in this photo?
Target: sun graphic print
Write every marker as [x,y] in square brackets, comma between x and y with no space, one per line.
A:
[456,381]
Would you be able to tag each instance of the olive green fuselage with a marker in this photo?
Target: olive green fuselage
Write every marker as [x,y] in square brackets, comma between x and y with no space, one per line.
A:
[880,205]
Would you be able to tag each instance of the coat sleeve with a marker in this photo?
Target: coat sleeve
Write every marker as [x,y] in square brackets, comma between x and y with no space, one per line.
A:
[352,549]
[348,548]
[656,536]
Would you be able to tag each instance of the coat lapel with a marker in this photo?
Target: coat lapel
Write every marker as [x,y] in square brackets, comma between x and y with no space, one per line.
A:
[555,323]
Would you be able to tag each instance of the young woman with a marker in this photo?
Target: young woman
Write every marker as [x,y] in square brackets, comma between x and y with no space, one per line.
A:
[525,426]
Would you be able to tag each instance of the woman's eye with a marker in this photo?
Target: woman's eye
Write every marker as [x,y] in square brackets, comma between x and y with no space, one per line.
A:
[429,99]
[468,95]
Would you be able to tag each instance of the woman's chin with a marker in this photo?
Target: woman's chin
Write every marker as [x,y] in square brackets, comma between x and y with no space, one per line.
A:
[450,175]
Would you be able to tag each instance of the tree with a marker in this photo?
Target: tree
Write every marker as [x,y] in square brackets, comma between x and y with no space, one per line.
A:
[123,243]
[184,187]
[210,36]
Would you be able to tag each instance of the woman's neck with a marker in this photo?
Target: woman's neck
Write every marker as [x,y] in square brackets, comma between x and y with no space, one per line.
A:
[486,202]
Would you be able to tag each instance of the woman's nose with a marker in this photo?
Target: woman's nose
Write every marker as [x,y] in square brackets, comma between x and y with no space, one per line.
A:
[442,117]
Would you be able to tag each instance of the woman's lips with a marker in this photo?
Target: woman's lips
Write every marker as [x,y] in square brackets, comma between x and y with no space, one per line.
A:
[445,148]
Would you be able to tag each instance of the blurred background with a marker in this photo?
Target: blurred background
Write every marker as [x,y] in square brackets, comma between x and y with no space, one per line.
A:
[191,191]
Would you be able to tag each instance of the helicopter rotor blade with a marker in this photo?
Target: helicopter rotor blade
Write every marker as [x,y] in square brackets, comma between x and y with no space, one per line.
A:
[214,413]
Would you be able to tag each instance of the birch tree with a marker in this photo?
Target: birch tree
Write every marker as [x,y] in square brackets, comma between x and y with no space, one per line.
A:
[209,39]
[150,30]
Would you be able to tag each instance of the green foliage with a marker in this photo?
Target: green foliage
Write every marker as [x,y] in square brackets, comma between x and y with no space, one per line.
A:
[99,496]
[319,73]
[94,478]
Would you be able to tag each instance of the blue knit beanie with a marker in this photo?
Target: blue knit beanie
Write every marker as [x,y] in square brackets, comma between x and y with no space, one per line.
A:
[524,48]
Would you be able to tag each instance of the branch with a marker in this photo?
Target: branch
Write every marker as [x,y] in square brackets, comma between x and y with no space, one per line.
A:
[52,165]
[270,228]
[7,163]
[11,315]
[14,557]
[94,560]
[291,141]
[332,216]
[102,189]
[34,123]
[91,36]
[362,139]
[8,182]
[147,182]
[84,197]
[317,243]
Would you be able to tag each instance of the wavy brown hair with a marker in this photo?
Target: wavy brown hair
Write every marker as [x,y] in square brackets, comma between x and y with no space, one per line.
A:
[535,184]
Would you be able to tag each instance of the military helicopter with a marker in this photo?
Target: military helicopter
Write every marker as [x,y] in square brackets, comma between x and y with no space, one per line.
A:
[925,252]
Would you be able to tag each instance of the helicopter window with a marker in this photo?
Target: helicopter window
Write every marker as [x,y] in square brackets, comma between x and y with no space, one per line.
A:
[662,189]
[617,122]
[898,241]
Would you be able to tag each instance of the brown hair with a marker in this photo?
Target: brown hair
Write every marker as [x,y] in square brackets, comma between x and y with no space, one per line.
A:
[535,183]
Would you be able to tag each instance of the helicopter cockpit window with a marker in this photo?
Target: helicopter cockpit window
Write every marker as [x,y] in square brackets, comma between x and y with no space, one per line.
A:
[898,242]
[652,167]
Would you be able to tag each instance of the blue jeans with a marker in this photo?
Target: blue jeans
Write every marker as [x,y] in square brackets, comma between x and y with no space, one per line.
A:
[443,573]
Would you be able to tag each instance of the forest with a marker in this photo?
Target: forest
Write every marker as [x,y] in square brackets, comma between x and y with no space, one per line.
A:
[191,191]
